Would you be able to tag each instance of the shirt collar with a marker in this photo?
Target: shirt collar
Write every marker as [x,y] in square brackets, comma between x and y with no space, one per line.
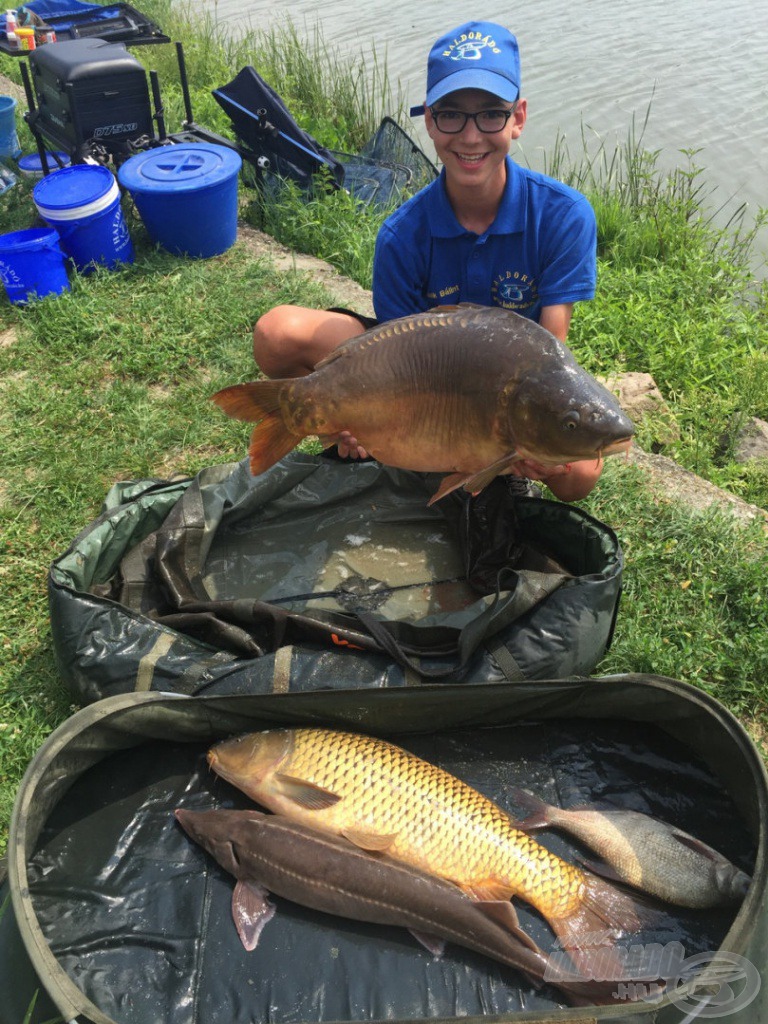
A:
[509,220]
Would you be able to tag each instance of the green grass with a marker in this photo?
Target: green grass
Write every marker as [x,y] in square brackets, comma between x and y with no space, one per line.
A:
[695,601]
[111,381]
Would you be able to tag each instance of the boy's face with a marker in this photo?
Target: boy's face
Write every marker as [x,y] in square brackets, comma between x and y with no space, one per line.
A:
[472,157]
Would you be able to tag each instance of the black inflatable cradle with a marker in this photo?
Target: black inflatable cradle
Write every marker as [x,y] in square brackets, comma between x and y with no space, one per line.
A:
[318,575]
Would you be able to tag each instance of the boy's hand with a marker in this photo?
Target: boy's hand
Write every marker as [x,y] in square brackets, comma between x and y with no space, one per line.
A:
[349,448]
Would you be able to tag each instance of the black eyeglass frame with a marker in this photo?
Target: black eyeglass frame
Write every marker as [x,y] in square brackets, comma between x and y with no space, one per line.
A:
[485,131]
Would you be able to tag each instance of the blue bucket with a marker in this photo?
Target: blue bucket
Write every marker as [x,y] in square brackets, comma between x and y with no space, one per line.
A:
[31,166]
[83,203]
[32,264]
[9,140]
[186,196]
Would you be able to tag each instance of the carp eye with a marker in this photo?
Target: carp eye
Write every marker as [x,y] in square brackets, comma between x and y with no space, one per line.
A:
[571,420]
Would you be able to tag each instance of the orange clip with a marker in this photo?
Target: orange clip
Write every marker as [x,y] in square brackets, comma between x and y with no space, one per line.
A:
[341,642]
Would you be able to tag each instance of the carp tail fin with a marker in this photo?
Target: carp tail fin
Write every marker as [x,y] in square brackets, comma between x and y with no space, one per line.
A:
[270,441]
[251,402]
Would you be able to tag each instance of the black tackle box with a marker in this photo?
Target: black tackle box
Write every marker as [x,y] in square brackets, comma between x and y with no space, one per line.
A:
[90,90]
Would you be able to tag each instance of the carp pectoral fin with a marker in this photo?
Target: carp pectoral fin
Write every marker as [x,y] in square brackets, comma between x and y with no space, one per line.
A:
[432,943]
[448,484]
[305,794]
[369,840]
[503,913]
[473,482]
[270,441]
[251,910]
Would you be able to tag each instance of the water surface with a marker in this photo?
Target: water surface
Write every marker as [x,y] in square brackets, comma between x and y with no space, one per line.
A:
[700,66]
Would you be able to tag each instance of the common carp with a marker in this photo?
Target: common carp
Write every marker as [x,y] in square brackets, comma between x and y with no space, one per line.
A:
[646,853]
[386,800]
[270,853]
[463,390]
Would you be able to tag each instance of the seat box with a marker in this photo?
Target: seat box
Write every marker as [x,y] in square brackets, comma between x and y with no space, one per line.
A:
[90,91]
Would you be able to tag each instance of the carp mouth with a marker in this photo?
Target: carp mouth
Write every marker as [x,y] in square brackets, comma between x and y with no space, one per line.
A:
[615,447]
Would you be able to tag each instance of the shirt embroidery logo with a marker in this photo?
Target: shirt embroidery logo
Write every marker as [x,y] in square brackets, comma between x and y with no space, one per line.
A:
[514,290]
[470,46]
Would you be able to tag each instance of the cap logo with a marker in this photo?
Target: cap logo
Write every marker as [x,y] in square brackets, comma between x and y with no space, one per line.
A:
[469,46]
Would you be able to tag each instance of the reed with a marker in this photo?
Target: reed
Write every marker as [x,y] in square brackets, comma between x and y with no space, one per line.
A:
[337,100]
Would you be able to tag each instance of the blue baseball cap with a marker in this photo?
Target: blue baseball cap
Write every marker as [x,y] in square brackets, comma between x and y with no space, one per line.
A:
[477,55]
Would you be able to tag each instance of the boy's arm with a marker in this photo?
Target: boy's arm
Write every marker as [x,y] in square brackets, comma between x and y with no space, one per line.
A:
[557,319]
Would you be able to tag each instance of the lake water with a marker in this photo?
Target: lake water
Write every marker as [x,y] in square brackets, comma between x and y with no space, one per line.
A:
[700,65]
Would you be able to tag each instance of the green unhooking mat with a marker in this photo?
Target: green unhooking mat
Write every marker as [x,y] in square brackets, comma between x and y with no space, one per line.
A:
[318,575]
[118,917]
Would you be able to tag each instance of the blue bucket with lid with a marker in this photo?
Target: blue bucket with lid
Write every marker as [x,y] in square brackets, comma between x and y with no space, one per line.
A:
[32,265]
[31,165]
[186,196]
[82,203]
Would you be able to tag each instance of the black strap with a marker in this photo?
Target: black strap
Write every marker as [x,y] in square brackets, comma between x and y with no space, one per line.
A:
[515,595]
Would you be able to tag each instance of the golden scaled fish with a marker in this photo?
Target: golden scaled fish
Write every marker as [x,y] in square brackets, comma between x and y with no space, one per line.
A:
[463,390]
[386,800]
[645,852]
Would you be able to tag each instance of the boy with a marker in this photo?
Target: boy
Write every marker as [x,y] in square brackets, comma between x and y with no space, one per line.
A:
[486,231]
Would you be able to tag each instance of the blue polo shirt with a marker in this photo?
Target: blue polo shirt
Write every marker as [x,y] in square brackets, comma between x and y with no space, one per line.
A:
[539,251]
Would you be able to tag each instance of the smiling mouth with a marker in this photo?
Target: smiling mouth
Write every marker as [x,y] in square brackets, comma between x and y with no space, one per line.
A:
[470,158]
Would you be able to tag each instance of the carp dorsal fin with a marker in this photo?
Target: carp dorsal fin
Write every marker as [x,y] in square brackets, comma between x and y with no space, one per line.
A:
[305,794]
[371,841]
[336,354]
[503,913]
[251,910]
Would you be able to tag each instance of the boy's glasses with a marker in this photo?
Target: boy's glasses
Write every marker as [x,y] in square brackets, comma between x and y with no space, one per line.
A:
[451,122]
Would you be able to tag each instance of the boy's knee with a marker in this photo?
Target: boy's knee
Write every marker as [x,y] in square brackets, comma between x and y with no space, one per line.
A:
[274,338]
[272,328]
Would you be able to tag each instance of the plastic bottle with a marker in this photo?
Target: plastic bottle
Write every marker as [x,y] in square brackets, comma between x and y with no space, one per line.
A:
[11,24]
[26,38]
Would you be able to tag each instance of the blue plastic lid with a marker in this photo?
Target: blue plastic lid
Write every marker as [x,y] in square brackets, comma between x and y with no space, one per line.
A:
[31,163]
[74,186]
[183,168]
